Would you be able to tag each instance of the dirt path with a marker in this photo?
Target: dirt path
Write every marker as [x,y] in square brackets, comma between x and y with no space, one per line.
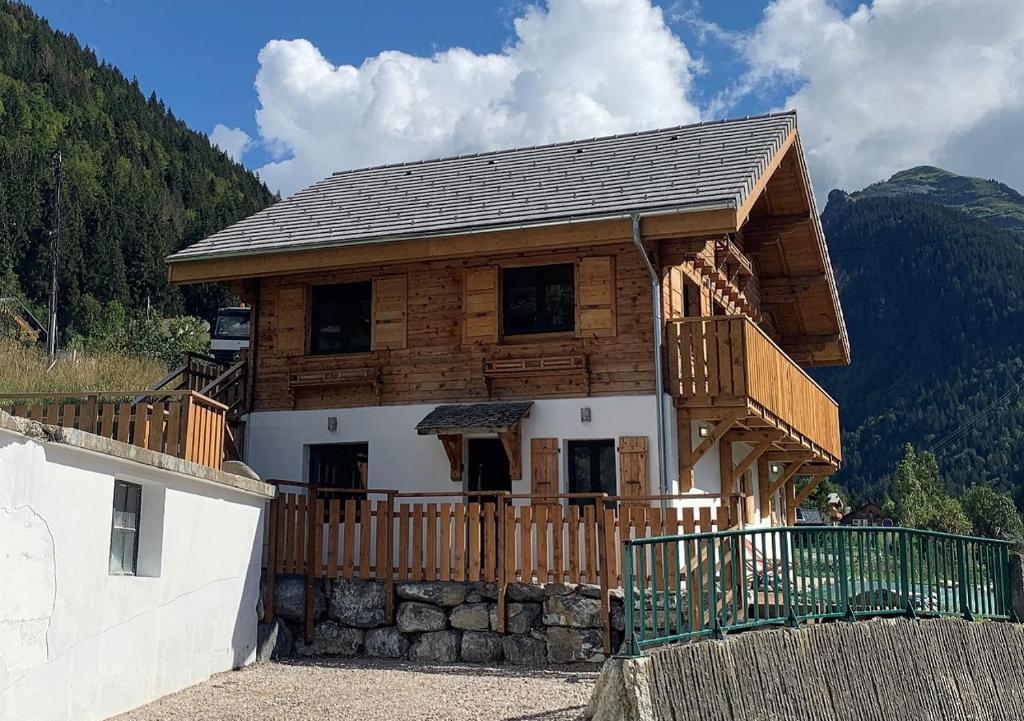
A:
[364,690]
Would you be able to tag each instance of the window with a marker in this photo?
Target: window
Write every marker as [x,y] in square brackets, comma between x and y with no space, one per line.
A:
[591,468]
[232,324]
[341,318]
[124,529]
[339,465]
[538,299]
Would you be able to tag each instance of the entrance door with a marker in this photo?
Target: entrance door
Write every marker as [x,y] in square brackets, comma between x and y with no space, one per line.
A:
[488,467]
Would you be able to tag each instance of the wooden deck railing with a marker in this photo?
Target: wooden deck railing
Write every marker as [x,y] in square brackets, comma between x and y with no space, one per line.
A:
[181,423]
[445,536]
[725,361]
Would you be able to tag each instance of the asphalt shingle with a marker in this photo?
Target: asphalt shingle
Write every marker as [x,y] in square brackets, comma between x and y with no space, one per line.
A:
[709,165]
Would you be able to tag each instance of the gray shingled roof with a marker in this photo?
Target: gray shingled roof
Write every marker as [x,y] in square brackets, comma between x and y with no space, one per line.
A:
[473,416]
[693,167]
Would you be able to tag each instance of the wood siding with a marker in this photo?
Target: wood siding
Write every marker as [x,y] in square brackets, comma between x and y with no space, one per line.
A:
[451,327]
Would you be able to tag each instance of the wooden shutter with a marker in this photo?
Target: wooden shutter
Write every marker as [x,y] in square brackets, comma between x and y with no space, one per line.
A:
[291,321]
[544,468]
[596,297]
[633,479]
[390,302]
[480,305]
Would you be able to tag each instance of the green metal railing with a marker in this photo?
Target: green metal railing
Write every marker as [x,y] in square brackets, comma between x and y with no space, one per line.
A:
[706,584]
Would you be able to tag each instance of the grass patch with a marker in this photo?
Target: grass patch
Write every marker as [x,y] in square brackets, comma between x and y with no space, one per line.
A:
[24,369]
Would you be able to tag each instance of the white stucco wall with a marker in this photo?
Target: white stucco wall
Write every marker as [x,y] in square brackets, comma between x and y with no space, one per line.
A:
[400,459]
[77,643]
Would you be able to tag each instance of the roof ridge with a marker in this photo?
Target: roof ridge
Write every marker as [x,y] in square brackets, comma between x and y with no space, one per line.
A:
[561,143]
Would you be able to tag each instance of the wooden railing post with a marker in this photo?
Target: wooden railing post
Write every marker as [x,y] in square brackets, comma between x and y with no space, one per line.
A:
[603,571]
[501,580]
[314,528]
[271,580]
[389,576]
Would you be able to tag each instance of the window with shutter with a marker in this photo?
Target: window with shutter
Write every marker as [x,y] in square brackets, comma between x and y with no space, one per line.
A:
[480,305]
[544,468]
[291,321]
[596,304]
[390,302]
[633,478]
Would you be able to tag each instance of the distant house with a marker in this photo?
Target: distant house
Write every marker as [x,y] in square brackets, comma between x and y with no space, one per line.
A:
[627,315]
[868,514]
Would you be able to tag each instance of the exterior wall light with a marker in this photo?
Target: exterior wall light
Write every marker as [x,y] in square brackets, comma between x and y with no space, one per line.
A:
[332,423]
[703,431]
[584,415]
[775,468]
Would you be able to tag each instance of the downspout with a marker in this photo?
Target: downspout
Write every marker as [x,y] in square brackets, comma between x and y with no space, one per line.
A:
[659,379]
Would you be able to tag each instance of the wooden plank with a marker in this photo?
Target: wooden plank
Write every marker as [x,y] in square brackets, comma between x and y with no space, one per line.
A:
[430,562]
[416,559]
[541,515]
[705,525]
[590,542]
[299,548]
[557,531]
[460,542]
[573,532]
[403,542]
[140,425]
[333,523]
[657,566]
[349,550]
[510,543]
[487,572]
[365,527]
[156,426]
[52,413]
[526,542]
[445,573]
[473,520]
[291,562]
[68,413]
[283,534]
[124,422]
[380,562]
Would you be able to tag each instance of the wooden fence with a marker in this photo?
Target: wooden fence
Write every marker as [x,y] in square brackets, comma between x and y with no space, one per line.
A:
[183,423]
[393,537]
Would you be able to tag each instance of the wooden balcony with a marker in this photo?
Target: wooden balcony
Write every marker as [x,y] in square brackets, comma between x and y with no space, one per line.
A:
[180,423]
[726,367]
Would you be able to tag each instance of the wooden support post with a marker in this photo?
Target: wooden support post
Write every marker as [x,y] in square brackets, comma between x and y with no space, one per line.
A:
[502,577]
[452,443]
[389,576]
[791,503]
[763,488]
[314,527]
[603,571]
[809,488]
[511,440]
[685,433]
[271,579]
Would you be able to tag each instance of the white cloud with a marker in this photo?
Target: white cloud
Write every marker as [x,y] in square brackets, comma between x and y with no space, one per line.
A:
[896,83]
[233,141]
[576,68]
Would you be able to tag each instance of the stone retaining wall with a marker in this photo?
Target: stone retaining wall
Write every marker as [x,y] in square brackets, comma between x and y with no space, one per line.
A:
[442,622]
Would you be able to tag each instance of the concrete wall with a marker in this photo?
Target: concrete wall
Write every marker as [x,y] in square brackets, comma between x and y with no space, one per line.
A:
[78,643]
[278,441]
[882,669]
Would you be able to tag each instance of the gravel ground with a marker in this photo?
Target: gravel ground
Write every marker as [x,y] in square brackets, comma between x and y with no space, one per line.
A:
[365,690]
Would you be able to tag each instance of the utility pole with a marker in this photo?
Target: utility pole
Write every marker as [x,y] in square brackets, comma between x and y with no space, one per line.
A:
[51,336]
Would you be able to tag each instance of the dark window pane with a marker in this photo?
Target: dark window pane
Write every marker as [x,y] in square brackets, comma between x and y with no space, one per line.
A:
[124,528]
[592,469]
[538,299]
[341,318]
[339,465]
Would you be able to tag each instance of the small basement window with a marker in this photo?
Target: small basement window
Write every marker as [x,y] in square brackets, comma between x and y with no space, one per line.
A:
[341,318]
[591,469]
[538,299]
[124,529]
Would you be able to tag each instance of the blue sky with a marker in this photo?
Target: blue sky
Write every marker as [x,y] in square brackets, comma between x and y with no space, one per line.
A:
[879,87]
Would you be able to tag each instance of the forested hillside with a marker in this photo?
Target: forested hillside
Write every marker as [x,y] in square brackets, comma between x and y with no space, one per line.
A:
[137,182]
[931,273]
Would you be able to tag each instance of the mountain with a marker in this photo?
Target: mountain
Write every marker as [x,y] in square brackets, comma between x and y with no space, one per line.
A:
[930,267]
[137,183]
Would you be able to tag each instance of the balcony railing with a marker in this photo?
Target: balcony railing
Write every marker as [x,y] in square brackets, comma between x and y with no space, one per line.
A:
[180,423]
[728,361]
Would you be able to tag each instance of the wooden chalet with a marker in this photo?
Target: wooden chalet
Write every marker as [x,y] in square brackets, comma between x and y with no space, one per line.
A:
[628,316]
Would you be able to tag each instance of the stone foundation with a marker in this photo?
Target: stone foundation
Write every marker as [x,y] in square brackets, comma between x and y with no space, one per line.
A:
[442,622]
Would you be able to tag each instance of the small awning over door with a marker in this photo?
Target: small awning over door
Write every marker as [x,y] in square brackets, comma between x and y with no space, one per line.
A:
[451,422]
